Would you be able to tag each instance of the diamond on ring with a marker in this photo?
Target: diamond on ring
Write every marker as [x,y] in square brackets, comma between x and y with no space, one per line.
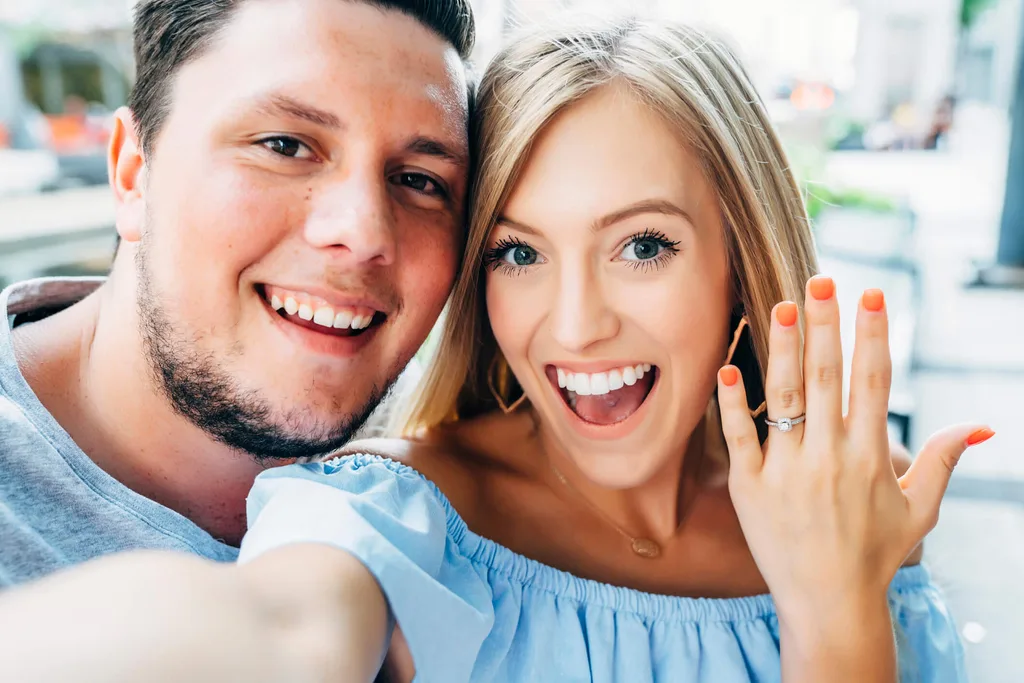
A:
[785,424]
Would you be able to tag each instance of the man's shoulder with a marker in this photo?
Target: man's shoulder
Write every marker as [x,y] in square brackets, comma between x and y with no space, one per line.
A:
[16,428]
[46,293]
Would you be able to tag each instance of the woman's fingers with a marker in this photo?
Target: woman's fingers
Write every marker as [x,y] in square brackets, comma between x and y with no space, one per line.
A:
[871,375]
[737,425]
[784,381]
[925,482]
[823,359]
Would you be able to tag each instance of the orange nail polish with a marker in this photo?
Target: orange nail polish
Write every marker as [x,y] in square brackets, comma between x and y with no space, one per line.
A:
[786,313]
[730,375]
[822,287]
[980,436]
[873,300]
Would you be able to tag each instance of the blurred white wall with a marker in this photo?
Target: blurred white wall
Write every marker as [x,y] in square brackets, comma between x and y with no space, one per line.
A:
[990,54]
[906,53]
[67,15]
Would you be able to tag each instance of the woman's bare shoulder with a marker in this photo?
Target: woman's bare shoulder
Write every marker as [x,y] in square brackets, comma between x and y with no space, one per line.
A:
[435,455]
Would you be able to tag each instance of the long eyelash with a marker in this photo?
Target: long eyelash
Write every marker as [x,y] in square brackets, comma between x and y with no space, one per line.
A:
[493,257]
[669,249]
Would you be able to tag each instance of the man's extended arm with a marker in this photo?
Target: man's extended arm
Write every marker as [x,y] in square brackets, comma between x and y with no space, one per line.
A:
[301,613]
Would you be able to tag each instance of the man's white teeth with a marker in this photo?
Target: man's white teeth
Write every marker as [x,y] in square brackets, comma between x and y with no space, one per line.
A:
[342,320]
[322,315]
[600,383]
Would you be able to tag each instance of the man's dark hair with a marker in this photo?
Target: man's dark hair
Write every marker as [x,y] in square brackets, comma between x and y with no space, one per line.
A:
[171,33]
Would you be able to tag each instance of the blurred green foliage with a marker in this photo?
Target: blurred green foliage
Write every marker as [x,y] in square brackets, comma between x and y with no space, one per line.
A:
[970,10]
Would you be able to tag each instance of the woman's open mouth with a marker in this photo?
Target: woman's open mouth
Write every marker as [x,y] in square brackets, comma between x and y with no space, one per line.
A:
[604,398]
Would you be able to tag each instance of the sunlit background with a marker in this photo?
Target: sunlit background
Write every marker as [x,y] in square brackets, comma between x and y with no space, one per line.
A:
[897,118]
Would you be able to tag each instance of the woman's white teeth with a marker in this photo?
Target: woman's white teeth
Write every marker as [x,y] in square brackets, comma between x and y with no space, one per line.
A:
[276,303]
[305,311]
[600,383]
[291,306]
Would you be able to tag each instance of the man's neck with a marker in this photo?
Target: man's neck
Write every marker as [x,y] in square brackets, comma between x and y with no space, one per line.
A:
[88,368]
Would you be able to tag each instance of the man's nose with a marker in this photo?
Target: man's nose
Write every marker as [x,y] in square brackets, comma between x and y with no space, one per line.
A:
[354,217]
[581,316]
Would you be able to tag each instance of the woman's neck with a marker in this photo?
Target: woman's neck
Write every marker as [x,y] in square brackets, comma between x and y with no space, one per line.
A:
[655,509]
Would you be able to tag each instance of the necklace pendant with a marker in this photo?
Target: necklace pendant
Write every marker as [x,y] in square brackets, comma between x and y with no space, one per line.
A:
[646,548]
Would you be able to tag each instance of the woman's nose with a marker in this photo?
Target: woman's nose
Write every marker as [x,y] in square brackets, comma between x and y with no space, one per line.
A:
[581,316]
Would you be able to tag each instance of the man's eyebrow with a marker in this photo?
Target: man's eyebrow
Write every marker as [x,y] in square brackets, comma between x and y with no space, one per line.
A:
[435,148]
[283,105]
[661,206]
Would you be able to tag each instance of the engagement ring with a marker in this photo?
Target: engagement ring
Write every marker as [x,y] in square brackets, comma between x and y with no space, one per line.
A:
[785,424]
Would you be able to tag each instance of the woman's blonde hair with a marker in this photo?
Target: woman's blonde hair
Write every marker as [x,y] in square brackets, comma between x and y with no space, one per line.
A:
[703,93]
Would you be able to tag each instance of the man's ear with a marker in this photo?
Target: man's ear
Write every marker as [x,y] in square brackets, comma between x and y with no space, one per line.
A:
[126,168]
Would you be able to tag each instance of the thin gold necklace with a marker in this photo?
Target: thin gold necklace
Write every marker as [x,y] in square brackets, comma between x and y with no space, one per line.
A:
[641,546]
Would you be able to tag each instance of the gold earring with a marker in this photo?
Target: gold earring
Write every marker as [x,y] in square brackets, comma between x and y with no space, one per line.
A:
[503,382]
[732,350]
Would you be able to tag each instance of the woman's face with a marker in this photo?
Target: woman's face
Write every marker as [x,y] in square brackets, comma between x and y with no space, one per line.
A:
[608,288]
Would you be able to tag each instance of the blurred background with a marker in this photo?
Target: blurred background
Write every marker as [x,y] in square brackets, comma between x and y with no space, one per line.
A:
[899,119]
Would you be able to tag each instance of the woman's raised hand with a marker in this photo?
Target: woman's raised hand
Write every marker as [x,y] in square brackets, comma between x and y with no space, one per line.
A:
[825,517]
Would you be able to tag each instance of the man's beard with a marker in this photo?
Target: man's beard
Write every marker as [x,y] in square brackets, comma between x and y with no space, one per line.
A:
[204,394]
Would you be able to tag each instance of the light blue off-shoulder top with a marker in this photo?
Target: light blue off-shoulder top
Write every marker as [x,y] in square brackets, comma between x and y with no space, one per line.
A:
[473,610]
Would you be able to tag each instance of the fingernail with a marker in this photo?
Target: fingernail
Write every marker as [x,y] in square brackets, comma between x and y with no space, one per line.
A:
[786,313]
[822,287]
[730,375]
[873,300]
[980,436]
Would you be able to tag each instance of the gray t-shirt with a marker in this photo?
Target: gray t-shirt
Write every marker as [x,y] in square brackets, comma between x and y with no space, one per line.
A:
[57,507]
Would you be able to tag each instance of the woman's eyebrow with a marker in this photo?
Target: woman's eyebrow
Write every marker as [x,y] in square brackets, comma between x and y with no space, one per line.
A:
[516,225]
[662,206]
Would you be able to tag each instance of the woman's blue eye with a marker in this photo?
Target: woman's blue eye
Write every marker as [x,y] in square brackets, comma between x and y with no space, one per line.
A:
[642,249]
[520,255]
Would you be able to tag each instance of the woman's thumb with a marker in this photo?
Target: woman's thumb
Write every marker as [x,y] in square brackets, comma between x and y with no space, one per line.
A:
[925,482]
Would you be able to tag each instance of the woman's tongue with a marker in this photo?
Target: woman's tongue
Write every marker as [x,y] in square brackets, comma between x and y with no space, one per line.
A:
[615,406]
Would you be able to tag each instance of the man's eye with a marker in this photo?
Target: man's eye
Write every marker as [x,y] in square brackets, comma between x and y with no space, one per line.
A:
[420,183]
[287,147]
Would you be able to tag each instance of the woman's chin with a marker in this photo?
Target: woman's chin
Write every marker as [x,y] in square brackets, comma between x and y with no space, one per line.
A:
[619,469]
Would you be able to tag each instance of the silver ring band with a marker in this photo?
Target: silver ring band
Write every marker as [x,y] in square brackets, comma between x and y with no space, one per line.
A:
[785,424]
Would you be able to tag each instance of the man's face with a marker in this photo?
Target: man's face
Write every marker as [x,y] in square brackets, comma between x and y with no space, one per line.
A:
[302,227]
